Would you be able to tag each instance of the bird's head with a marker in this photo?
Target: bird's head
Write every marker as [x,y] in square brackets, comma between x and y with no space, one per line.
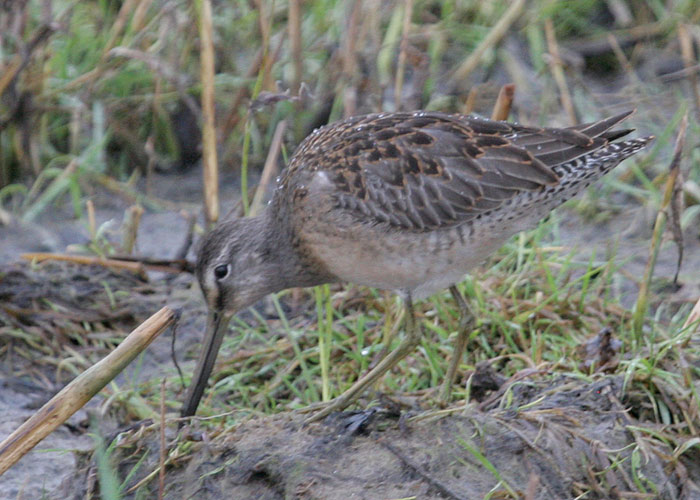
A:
[235,268]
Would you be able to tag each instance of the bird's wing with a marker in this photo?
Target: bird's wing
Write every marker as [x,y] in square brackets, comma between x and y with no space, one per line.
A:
[423,170]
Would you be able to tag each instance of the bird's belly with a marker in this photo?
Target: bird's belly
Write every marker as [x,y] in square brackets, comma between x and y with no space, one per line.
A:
[420,263]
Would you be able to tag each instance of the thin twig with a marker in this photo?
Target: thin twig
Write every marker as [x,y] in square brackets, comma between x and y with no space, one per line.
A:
[234,117]
[270,168]
[19,62]
[184,249]
[532,483]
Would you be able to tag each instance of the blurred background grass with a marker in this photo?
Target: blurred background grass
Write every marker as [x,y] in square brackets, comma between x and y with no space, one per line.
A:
[104,93]
[101,94]
[113,88]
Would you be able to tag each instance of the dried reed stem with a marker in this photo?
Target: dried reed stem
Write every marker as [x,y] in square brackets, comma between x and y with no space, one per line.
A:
[209,159]
[470,103]
[501,109]
[74,396]
[131,228]
[136,266]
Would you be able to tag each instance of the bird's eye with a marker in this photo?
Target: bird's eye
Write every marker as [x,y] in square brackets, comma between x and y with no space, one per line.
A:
[221,271]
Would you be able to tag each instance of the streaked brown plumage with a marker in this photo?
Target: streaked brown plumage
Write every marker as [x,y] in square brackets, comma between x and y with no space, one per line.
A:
[402,201]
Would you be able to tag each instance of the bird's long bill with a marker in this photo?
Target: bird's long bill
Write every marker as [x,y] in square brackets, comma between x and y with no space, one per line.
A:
[217,323]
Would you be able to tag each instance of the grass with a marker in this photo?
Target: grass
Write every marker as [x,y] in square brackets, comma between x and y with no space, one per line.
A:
[110,80]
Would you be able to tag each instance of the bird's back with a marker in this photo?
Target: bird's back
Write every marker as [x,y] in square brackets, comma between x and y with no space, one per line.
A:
[413,200]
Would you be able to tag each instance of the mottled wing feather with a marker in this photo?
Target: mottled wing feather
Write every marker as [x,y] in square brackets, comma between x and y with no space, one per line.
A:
[422,171]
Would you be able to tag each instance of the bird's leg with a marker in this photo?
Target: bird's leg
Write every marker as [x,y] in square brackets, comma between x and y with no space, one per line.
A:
[460,343]
[390,317]
[407,345]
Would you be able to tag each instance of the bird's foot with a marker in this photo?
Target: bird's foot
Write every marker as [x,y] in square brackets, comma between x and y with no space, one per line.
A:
[323,409]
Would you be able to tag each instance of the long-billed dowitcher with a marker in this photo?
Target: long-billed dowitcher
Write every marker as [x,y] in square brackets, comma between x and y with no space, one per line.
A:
[402,201]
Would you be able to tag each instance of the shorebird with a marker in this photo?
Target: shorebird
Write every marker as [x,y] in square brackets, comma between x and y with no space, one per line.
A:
[402,201]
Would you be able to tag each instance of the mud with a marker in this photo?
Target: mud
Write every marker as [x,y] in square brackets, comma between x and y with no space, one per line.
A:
[572,438]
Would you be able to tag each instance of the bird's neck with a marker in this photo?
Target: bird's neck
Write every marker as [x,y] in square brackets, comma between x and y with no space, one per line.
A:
[285,258]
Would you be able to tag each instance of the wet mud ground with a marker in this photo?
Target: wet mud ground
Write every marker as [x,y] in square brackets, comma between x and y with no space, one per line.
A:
[556,448]
[559,445]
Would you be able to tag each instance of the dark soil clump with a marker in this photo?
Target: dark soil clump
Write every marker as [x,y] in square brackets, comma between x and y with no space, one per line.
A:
[558,440]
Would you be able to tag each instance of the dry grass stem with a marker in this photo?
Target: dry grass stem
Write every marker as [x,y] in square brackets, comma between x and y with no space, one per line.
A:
[85,260]
[209,159]
[118,26]
[403,47]
[130,229]
[270,169]
[137,266]
[140,15]
[294,23]
[350,63]
[9,72]
[74,396]
[497,32]
[265,19]
[689,61]
[501,109]
[693,317]
[92,223]
[642,303]
[555,66]
[620,11]
[163,450]
[622,58]
[233,116]
[470,103]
